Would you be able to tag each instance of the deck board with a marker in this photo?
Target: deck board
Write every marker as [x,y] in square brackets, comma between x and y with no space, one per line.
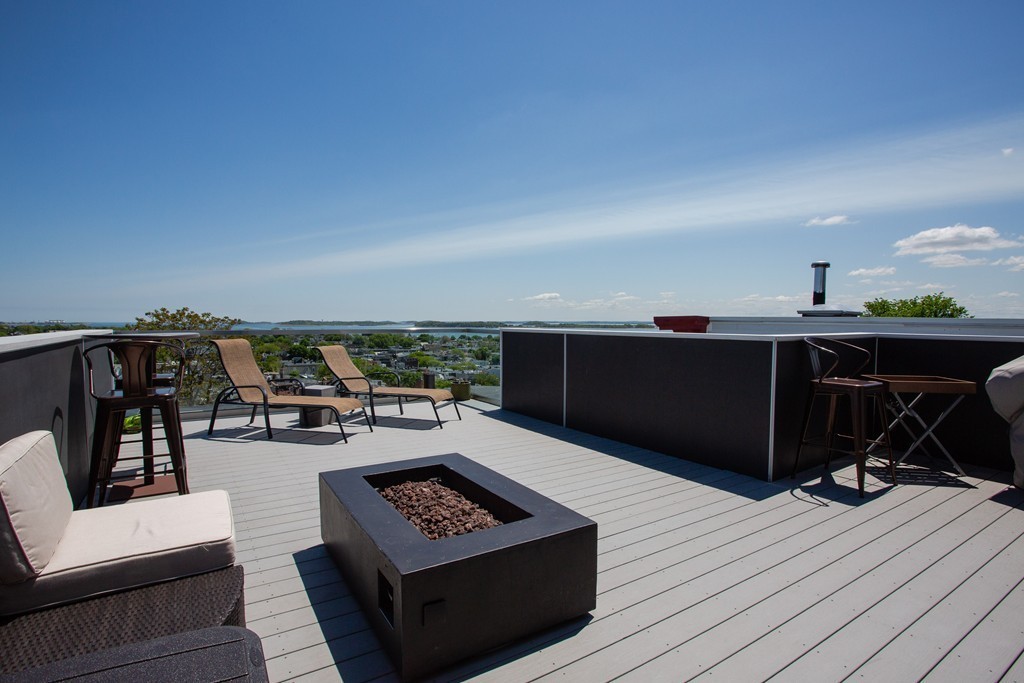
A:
[703,573]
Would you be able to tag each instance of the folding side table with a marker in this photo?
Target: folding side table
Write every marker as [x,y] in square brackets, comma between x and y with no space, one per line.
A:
[921,386]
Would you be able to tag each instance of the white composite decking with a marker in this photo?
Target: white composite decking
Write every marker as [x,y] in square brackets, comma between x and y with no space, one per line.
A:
[702,573]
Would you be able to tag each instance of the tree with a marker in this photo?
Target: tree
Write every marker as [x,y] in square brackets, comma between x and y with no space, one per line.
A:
[202,363]
[929,306]
[182,319]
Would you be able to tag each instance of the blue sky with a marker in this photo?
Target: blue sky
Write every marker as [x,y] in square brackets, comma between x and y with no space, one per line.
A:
[507,161]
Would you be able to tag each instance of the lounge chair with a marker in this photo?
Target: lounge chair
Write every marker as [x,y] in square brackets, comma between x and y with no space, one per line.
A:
[249,387]
[350,380]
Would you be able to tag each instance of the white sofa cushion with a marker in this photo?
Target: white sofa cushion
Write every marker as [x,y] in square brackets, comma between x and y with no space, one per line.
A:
[35,505]
[125,546]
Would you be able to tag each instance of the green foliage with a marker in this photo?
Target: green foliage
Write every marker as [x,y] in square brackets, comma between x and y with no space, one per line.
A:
[929,306]
[303,351]
[133,424]
[410,378]
[425,360]
[367,367]
[387,340]
[323,375]
[182,319]
[486,379]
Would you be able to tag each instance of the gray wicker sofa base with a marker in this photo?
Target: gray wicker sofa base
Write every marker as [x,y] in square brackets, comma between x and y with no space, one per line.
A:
[222,653]
[196,602]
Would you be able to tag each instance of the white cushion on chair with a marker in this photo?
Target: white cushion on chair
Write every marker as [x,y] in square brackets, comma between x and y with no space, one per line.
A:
[118,547]
[35,505]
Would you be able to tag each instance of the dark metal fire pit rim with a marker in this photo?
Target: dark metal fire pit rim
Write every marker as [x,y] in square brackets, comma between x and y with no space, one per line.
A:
[409,550]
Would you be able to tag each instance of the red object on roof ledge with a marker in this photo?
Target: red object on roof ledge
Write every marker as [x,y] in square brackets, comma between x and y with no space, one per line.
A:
[682,323]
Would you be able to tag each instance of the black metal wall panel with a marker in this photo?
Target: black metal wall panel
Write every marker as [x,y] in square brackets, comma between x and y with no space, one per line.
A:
[793,376]
[45,388]
[532,374]
[973,432]
[702,400]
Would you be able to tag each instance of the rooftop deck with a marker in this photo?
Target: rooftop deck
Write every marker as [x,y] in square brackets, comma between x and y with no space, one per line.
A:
[702,573]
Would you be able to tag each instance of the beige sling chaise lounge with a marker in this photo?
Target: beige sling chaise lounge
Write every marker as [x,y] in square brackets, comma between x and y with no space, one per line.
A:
[250,387]
[351,381]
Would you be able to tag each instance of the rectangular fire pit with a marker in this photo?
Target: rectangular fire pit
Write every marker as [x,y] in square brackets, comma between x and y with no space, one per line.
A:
[435,602]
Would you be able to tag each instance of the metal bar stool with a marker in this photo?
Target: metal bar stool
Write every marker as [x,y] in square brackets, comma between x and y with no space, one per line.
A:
[138,387]
[856,390]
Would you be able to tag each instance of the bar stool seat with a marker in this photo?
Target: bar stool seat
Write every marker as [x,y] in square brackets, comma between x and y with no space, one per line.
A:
[857,391]
[141,388]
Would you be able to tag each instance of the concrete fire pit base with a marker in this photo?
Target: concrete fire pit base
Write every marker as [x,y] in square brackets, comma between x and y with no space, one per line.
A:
[433,603]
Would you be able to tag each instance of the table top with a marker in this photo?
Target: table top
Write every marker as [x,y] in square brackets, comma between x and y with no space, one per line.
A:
[925,384]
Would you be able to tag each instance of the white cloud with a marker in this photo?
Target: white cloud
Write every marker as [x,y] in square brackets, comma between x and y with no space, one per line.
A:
[952,261]
[1008,294]
[942,168]
[932,287]
[547,296]
[780,298]
[1007,151]
[1016,263]
[872,272]
[957,237]
[831,220]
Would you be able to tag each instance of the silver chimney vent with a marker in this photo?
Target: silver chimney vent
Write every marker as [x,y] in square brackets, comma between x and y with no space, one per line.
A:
[818,305]
[819,282]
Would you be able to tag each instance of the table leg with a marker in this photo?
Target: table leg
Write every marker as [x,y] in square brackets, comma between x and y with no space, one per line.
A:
[929,432]
[900,413]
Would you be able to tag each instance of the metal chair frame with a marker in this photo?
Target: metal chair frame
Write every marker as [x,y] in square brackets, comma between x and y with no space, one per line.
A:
[835,387]
[137,387]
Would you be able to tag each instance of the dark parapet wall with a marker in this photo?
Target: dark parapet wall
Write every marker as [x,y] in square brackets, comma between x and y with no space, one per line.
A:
[45,387]
[705,402]
[532,375]
[736,402]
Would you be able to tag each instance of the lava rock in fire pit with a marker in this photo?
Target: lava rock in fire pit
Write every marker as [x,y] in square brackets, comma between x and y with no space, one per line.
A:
[436,510]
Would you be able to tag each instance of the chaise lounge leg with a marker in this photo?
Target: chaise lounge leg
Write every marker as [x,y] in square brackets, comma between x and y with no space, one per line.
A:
[266,417]
[337,417]
[213,416]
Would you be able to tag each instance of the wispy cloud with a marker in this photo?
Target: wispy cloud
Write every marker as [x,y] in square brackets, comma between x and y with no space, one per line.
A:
[953,261]
[779,298]
[1015,263]
[1007,151]
[1008,294]
[931,170]
[831,220]
[954,238]
[620,303]
[873,272]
